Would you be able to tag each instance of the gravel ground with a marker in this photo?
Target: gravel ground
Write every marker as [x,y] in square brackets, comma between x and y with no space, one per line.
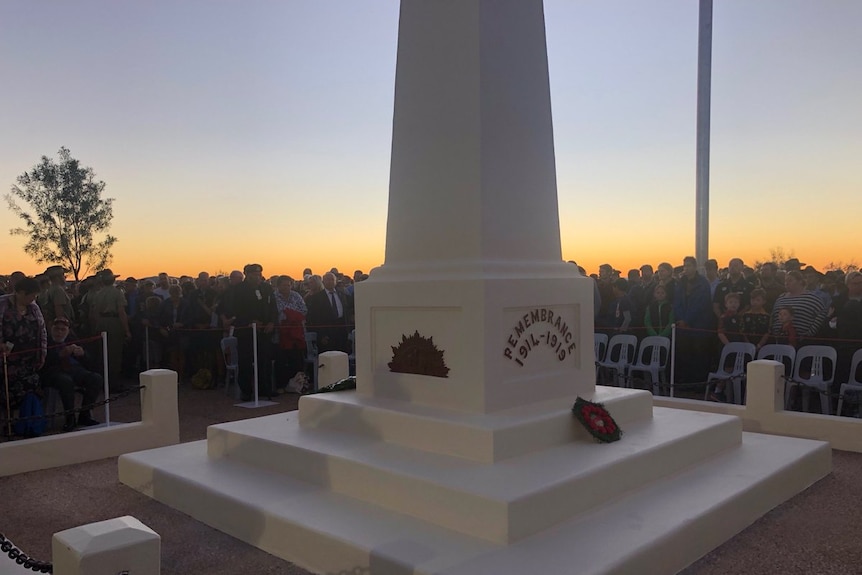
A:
[817,532]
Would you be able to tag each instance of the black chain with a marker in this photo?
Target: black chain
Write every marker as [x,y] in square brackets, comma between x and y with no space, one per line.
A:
[22,558]
[676,385]
[73,411]
[851,398]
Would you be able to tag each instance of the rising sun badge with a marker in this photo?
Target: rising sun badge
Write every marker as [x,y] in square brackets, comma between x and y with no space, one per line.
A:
[418,354]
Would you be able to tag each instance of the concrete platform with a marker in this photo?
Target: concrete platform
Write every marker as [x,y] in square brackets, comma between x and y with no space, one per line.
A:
[676,486]
[507,433]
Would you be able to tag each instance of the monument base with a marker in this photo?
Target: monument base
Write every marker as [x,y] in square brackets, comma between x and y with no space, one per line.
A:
[346,492]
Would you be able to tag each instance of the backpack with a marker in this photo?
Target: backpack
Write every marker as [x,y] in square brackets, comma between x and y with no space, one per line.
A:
[203,379]
[31,406]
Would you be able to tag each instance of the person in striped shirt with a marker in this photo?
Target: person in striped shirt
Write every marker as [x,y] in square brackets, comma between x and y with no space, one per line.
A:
[808,310]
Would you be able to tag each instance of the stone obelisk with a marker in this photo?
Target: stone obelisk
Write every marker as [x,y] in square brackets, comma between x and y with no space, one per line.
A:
[458,453]
[473,261]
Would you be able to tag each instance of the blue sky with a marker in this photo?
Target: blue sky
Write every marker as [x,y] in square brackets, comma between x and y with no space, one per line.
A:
[231,132]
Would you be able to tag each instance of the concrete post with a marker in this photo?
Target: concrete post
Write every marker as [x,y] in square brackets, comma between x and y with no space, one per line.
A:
[159,403]
[333,366]
[765,395]
[121,545]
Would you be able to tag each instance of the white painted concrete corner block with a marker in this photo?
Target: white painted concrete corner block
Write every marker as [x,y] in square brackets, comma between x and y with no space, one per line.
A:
[121,545]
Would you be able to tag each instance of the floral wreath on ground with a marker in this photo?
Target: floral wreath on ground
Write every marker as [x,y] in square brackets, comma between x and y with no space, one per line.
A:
[596,420]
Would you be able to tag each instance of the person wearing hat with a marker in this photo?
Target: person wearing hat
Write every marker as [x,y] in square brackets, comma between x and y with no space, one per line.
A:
[107,309]
[66,371]
[793,265]
[56,302]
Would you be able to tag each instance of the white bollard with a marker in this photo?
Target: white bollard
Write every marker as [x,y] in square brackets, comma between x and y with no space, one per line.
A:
[332,366]
[121,545]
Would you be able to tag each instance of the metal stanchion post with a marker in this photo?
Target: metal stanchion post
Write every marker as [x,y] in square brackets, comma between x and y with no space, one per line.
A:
[254,361]
[672,356]
[8,404]
[107,384]
[256,402]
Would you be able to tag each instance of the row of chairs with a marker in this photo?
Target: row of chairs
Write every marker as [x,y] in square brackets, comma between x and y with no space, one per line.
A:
[620,358]
[811,367]
[814,370]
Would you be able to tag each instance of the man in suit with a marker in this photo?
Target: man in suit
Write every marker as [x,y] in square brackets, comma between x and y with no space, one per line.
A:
[248,302]
[329,313]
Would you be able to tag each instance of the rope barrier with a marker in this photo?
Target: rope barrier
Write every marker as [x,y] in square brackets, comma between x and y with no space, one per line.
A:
[245,327]
[30,351]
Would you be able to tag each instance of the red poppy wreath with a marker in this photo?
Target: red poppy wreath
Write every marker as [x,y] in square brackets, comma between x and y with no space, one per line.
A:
[596,420]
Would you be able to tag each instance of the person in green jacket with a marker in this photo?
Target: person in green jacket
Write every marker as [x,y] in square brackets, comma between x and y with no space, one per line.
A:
[658,318]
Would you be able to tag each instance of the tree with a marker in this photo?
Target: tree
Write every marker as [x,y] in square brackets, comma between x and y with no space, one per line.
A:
[777,255]
[66,214]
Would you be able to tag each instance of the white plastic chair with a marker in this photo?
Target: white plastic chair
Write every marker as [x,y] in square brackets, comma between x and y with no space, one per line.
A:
[652,358]
[852,385]
[735,354]
[600,345]
[619,355]
[229,350]
[782,353]
[809,372]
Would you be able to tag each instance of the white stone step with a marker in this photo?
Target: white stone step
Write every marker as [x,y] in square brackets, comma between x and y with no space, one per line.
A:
[500,502]
[483,437]
[658,528]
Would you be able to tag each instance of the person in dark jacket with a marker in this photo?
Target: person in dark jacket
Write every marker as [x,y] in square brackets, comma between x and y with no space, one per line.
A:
[695,322]
[66,371]
[251,302]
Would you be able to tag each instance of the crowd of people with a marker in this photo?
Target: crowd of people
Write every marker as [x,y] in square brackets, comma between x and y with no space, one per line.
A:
[178,323]
[790,304]
[175,323]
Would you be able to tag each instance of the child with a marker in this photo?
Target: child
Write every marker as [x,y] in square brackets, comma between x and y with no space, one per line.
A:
[729,329]
[787,332]
[658,319]
[730,324]
[755,321]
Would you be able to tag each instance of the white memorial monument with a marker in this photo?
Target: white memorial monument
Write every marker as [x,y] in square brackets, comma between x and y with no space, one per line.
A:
[458,452]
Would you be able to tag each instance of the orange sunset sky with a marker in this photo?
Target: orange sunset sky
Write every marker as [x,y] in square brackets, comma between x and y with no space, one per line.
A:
[261,133]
